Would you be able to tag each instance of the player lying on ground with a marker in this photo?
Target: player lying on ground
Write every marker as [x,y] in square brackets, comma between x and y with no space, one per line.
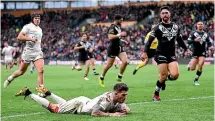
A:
[107,104]
[198,40]
[151,53]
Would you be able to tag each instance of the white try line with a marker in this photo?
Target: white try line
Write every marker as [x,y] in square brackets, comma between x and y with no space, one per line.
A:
[170,100]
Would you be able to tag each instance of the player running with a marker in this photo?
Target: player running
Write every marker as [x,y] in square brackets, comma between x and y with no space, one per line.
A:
[167,33]
[91,53]
[107,104]
[31,34]
[151,53]
[115,49]
[8,52]
[83,57]
[198,40]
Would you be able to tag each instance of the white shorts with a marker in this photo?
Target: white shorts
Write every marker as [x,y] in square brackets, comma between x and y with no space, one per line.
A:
[28,56]
[73,106]
[8,60]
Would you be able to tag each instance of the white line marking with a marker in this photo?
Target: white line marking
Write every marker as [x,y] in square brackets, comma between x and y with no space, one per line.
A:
[177,99]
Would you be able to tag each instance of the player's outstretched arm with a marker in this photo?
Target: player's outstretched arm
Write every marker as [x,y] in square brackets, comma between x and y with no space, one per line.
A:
[99,111]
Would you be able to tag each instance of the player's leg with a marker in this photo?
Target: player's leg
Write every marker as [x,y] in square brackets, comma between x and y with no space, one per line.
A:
[116,63]
[39,65]
[22,69]
[110,62]
[140,65]
[32,68]
[42,101]
[199,71]
[87,63]
[123,57]
[92,63]
[192,64]
[163,72]
[173,70]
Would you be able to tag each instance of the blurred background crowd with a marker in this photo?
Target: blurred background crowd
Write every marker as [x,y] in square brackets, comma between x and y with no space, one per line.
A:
[62,29]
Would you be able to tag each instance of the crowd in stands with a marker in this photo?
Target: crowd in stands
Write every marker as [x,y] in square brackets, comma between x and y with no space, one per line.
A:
[61,30]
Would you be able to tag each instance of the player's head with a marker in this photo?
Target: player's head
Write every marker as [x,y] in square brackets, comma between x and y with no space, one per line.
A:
[200,25]
[35,18]
[121,91]
[90,38]
[84,37]
[118,19]
[5,44]
[165,13]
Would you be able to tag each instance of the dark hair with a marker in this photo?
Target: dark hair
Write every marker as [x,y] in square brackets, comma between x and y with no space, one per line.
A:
[118,17]
[120,87]
[35,15]
[165,7]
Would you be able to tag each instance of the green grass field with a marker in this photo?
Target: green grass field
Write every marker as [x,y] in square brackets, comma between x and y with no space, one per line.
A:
[181,101]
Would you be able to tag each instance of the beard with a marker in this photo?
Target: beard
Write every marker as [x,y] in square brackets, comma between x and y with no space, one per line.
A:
[119,24]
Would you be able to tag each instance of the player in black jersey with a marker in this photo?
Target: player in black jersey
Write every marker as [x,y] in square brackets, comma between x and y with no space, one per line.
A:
[167,33]
[83,57]
[198,40]
[17,56]
[91,53]
[115,49]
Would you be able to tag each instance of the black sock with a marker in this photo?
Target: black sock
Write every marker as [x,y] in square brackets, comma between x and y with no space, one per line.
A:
[94,70]
[158,85]
[198,74]
[28,92]
[120,76]
[85,75]
[101,77]
[170,78]
[48,93]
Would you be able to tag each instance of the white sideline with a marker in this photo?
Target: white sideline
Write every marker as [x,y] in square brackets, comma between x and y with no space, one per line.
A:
[177,99]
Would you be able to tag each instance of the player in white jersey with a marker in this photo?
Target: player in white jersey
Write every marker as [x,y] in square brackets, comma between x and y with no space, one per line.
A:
[31,34]
[8,52]
[108,104]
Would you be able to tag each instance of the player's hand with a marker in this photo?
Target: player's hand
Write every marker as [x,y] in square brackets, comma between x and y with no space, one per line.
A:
[188,52]
[211,48]
[118,114]
[33,39]
[198,39]
[144,56]
[123,34]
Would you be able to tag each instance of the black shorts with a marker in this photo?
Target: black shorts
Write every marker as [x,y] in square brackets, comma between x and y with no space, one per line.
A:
[164,59]
[83,58]
[114,51]
[91,55]
[198,54]
[151,53]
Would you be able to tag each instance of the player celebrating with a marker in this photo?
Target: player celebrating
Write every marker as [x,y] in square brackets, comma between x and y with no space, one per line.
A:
[167,33]
[32,35]
[8,52]
[107,104]
[115,49]
[92,55]
[198,40]
[83,57]
[151,52]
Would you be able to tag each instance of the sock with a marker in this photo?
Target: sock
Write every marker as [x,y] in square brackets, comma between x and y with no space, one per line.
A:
[58,99]
[198,74]
[44,102]
[170,78]
[120,76]
[10,78]
[101,77]
[85,75]
[157,89]
[94,71]
[140,65]
[116,66]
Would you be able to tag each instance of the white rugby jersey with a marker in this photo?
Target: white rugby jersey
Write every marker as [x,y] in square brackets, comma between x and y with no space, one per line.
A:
[8,52]
[105,101]
[31,31]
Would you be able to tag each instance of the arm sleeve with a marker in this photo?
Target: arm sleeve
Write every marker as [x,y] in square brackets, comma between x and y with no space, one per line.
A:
[150,39]
[111,30]
[25,29]
[180,41]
